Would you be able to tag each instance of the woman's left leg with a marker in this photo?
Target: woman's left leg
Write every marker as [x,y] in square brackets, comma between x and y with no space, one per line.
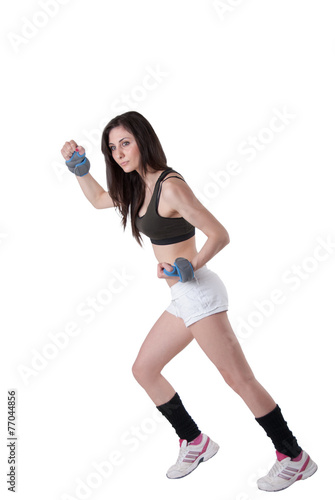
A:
[217,339]
[215,336]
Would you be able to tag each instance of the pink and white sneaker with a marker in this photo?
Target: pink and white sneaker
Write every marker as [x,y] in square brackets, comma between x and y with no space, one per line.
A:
[287,471]
[191,455]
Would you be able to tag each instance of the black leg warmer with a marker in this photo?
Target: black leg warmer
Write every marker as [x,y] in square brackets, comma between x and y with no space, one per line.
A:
[276,428]
[180,420]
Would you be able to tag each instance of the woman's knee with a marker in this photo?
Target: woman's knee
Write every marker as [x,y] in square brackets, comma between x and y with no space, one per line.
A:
[137,370]
[143,371]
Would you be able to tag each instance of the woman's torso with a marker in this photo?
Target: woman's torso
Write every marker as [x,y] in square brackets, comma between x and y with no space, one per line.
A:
[169,253]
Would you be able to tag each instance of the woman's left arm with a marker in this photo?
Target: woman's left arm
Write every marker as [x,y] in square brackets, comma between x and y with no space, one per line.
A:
[215,242]
[181,198]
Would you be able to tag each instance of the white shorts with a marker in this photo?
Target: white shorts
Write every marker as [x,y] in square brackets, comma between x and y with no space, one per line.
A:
[193,300]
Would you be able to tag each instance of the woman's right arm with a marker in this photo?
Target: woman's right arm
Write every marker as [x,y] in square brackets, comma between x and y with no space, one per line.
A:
[90,187]
[94,192]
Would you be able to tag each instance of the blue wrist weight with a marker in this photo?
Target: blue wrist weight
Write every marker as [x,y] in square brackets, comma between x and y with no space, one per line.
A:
[182,268]
[78,164]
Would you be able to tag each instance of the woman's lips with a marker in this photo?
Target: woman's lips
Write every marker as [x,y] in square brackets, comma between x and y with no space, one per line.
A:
[124,163]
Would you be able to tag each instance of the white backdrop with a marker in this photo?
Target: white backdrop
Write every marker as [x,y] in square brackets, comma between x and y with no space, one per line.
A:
[241,95]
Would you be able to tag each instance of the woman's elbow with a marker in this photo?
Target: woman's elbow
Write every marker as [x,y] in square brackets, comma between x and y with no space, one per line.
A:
[224,237]
[225,240]
[220,235]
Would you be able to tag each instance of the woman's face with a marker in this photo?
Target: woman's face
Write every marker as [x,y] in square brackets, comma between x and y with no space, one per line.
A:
[124,149]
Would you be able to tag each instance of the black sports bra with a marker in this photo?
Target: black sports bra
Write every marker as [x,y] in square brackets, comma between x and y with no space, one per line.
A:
[163,230]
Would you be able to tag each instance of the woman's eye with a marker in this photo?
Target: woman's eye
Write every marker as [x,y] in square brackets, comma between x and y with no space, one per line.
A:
[125,143]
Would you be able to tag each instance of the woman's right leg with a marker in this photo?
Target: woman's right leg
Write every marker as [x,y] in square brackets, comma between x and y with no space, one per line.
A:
[166,339]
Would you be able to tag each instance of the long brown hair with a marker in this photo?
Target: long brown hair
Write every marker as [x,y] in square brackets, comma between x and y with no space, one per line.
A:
[127,190]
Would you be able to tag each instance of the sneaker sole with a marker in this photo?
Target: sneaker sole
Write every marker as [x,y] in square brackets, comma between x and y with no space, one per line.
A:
[210,452]
[306,474]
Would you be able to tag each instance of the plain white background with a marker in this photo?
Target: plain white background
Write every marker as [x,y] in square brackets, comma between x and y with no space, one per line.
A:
[248,83]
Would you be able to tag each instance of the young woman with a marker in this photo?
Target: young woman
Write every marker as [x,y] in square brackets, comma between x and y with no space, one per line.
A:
[162,206]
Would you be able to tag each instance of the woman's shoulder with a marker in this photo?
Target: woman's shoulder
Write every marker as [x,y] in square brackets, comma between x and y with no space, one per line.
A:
[172,174]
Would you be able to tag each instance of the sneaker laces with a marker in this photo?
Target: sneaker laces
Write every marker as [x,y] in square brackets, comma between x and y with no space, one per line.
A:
[182,452]
[277,468]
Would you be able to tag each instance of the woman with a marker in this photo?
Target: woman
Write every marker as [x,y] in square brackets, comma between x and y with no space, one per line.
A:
[162,206]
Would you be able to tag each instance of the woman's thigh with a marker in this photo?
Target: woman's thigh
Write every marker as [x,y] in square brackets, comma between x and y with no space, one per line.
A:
[217,339]
[165,340]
